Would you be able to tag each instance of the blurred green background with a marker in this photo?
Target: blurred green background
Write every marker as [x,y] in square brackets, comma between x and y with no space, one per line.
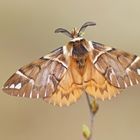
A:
[27,33]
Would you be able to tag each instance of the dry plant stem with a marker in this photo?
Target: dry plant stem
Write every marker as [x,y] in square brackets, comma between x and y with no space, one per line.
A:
[93,109]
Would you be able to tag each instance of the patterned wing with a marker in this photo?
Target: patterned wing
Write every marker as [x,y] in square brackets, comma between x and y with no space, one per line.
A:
[47,78]
[110,71]
[95,83]
[119,68]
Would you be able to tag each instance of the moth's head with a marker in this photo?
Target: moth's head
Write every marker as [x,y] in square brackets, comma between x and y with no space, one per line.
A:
[75,33]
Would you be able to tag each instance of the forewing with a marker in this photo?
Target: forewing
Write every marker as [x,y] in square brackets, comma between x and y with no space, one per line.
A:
[39,78]
[120,68]
[49,78]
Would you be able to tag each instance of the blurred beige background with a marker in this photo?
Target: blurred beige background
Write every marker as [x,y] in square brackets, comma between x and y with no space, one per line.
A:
[26,33]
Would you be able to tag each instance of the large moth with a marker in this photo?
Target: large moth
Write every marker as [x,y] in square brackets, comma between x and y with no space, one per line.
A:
[64,74]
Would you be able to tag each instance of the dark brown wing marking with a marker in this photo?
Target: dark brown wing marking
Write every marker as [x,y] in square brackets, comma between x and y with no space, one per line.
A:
[120,68]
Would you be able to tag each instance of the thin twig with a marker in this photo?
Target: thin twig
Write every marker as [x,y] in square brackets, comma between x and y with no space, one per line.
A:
[93,107]
[91,116]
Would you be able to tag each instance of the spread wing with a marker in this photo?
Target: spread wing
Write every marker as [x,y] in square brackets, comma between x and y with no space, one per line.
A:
[119,68]
[111,71]
[48,78]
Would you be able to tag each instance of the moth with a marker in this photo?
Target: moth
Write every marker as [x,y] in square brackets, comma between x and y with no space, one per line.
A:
[64,74]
